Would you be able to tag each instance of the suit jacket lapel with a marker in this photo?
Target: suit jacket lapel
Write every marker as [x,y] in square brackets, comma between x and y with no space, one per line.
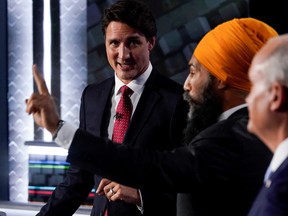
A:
[101,106]
[145,106]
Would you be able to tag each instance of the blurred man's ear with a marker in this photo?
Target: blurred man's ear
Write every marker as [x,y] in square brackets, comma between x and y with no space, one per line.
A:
[221,84]
[281,98]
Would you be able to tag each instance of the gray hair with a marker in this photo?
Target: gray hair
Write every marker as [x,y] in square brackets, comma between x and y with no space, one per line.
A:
[275,66]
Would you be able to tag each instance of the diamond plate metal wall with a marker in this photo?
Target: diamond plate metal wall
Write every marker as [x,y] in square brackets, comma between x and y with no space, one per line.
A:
[73,57]
[20,86]
[20,59]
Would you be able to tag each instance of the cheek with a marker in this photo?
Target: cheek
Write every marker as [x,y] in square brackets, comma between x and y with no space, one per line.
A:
[254,104]
[111,57]
[110,53]
[197,92]
[140,56]
[195,86]
[258,110]
[253,114]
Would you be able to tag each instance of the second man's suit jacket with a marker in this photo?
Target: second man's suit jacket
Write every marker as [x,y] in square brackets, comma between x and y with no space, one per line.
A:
[222,168]
[273,197]
[157,124]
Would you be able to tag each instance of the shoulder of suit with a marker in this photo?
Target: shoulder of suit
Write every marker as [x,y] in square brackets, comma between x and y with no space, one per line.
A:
[104,85]
[166,82]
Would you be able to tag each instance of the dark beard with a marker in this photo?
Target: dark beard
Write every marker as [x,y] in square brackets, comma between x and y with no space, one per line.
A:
[201,115]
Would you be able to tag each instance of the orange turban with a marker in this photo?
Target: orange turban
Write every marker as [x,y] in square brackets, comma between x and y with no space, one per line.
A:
[228,49]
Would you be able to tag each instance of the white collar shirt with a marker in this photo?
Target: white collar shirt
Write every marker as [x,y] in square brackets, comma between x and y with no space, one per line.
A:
[137,85]
[229,112]
[279,156]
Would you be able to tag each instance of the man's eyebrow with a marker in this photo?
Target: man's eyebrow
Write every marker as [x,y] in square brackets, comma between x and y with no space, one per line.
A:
[191,64]
[134,37]
[111,39]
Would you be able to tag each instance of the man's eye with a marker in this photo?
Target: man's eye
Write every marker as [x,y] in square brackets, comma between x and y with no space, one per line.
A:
[192,73]
[114,43]
[134,43]
[192,70]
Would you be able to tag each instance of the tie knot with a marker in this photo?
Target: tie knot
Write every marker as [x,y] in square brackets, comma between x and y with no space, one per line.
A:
[125,90]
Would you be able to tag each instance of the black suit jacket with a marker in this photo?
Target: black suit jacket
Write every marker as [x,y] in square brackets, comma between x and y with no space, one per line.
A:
[157,124]
[222,168]
[273,197]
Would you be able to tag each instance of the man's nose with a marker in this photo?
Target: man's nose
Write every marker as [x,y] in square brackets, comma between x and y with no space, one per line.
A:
[123,52]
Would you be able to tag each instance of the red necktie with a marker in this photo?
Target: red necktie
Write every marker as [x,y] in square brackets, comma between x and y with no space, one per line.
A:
[123,114]
[122,117]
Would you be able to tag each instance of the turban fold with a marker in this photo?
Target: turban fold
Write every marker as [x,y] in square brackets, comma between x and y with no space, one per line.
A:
[228,49]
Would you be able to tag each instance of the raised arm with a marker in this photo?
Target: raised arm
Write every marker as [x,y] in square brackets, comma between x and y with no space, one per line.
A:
[41,105]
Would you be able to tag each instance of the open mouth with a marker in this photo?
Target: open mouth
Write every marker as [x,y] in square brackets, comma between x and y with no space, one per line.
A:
[125,66]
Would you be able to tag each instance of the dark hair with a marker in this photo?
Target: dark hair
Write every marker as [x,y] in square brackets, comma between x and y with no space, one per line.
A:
[134,13]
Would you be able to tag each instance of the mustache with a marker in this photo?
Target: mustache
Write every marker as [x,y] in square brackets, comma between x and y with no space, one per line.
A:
[188,98]
[125,62]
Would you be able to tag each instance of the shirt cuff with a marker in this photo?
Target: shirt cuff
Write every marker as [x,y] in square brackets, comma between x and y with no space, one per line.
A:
[65,135]
[140,208]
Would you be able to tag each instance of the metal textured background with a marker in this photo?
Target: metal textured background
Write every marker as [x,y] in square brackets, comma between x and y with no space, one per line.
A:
[20,86]
[20,54]
[73,34]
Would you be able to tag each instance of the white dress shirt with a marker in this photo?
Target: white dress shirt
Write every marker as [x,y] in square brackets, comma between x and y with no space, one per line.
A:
[137,85]
[229,112]
[279,156]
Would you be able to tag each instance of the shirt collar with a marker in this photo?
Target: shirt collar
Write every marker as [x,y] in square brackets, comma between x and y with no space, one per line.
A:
[280,155]
[229,112]
[137,84]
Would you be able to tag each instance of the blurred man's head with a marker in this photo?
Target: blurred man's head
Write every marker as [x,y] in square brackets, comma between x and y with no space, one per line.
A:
[268,98]
[218,78]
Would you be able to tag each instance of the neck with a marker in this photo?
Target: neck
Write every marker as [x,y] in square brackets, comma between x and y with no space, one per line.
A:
[233,97]
[280,132]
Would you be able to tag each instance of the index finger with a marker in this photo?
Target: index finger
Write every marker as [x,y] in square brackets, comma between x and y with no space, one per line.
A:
[40,82]
[102,184]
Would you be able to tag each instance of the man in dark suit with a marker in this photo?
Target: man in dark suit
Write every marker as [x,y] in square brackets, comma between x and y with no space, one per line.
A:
[268,111]
[223,166]
[157,123]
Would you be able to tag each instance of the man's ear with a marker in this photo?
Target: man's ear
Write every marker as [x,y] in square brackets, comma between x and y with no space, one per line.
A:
[221,84]
[152,42]
[280,98]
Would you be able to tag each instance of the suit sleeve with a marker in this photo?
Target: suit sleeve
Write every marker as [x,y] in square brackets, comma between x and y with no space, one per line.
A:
[208,159]
[134,167]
